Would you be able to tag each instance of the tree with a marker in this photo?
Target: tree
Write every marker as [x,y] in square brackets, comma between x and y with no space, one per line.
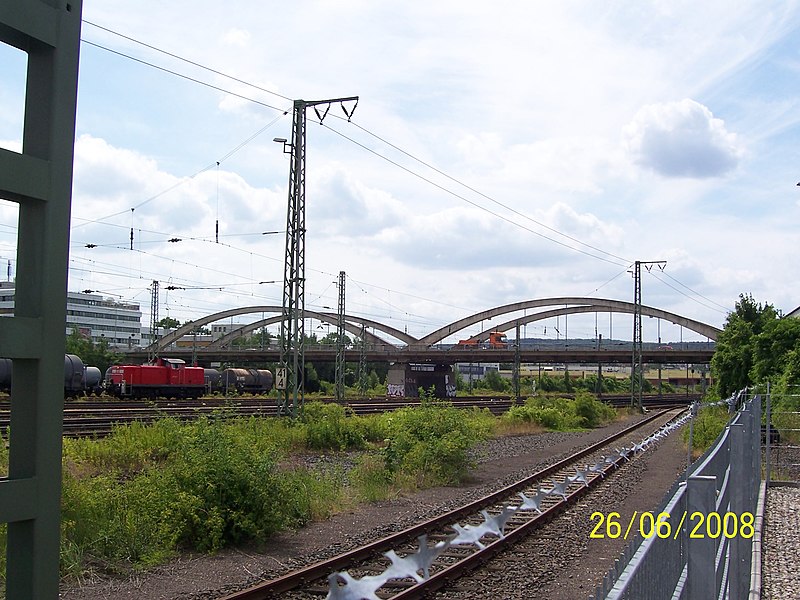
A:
[773,349]
[311,381]
[168,323]
[746,352]
[733,357]
[494,381]
[789,381]
[94,354]
[568,387]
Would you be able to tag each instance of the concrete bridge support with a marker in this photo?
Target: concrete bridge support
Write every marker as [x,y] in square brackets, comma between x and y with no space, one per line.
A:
[405,380]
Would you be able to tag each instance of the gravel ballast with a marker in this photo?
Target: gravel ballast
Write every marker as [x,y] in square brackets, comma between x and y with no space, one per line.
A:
[781,544]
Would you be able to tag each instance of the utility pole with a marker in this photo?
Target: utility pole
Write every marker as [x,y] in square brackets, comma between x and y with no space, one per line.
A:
[292,365]
[362,361]
[154,322]
[637,369]
[517,368]
[340,338]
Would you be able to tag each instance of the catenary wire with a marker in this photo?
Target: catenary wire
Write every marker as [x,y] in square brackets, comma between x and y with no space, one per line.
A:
[370,150]
[475,204]
[481,194]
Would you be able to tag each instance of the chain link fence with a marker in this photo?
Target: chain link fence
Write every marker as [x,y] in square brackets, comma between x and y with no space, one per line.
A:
[702,545]
[780,435]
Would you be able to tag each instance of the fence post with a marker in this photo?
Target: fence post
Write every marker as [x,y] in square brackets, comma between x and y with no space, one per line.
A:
[702,492]
[739,482]
[767,454]
[755,441]
[694,409]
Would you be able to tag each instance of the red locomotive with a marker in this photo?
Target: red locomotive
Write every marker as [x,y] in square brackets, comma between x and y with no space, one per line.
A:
[166,377]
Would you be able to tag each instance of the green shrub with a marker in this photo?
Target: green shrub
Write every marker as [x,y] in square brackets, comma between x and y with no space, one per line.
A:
[430,444]
[590,411]
[708,424]
[551,418]
[220,483]
[561,414]
[331,427]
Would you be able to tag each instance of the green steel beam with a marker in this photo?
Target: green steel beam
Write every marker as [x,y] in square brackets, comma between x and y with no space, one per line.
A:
[39,179]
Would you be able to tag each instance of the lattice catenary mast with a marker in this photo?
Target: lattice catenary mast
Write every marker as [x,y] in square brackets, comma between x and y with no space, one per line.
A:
[154,322]
[290,373]
[637,369]
[340,341]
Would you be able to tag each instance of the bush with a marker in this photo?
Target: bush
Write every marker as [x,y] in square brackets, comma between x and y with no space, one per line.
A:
[708,424]
[430,444]
[331,427]
[590,412]
[561,414]
[218,483]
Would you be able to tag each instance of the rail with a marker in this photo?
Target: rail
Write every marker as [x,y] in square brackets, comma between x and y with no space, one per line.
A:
[703,546]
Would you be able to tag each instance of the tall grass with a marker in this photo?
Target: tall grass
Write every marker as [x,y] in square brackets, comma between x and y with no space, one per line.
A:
[708,424]
[560,414]
[147,492]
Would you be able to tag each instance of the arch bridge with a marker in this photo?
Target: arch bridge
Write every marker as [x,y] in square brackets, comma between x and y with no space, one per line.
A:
[357,325]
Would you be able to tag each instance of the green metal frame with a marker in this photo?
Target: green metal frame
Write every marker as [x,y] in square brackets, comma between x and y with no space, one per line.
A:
[39,179]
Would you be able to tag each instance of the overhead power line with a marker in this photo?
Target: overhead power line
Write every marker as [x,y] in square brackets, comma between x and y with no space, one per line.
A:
[188,61]
[487,197]
[593,251]
[487,210]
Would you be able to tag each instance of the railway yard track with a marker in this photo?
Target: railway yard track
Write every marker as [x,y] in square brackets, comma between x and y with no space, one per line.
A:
[438,553]
[87,417]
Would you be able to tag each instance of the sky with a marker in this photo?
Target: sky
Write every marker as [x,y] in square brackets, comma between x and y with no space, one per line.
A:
[497,153]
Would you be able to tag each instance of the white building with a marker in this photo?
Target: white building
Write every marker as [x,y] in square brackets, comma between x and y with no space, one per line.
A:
[93,316]
[475,371]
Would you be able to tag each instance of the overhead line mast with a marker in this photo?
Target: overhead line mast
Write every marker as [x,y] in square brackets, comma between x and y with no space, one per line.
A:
[340,340]
[292,364]
[637,368]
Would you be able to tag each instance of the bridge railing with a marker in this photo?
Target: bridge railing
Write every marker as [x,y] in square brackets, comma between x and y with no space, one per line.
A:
[703,546]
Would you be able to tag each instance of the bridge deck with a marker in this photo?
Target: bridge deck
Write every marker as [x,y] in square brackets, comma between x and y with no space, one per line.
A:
[391,353]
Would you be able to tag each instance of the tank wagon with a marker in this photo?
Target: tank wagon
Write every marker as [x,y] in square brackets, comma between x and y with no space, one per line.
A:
[246,381]
[79,379]
[92,381]
[238,381]
[166,377]
[213,380]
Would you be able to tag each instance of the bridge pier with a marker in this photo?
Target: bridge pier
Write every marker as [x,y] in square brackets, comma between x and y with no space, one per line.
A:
[406,379]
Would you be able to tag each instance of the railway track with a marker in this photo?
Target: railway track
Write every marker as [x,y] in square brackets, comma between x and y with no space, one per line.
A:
[97,417]
[431,555]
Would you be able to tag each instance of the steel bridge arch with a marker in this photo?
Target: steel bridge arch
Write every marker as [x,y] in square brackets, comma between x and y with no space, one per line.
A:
[228,338]
[581,305]
[187,328]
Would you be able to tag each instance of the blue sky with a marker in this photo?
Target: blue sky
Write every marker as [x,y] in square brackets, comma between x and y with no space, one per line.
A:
[497,154]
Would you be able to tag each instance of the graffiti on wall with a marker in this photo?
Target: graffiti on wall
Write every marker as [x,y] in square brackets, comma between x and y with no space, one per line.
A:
[396,390]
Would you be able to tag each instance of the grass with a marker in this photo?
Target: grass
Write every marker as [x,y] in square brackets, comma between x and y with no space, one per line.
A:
[560,414]
[145,493]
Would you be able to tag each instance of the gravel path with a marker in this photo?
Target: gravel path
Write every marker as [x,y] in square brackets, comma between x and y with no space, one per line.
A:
[781,544]
[500,462]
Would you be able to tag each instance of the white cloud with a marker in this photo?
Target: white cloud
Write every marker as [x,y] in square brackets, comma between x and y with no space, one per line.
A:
[524,104]
[682,139]
[236,37]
